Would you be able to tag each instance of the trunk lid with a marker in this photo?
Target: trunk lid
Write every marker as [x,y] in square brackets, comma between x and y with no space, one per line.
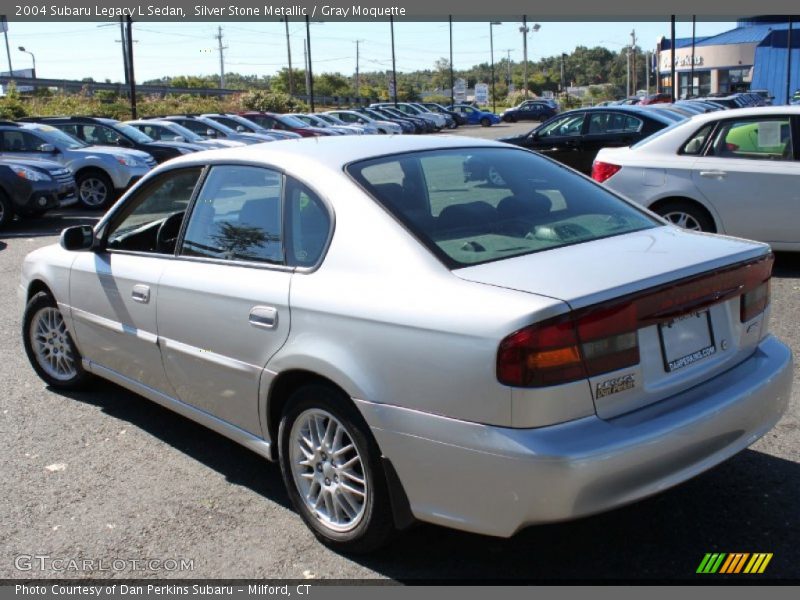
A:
[675,353]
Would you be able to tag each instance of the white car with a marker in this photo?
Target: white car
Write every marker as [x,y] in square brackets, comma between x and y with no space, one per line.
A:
[408,345]
[732,172]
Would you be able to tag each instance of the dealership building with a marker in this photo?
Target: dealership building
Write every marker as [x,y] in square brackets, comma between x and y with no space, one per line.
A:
[751,56]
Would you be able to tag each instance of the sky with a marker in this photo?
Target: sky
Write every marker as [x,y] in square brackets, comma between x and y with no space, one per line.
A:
[77,50]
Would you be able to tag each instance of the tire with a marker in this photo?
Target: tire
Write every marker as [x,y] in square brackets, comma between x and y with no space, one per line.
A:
[361,516]
[687,215]
[95,190]
[485,122]
[6,211]
[49,346]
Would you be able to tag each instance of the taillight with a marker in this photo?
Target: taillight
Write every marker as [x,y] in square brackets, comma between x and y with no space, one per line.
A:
[754,303]
[602,171]
[603,338]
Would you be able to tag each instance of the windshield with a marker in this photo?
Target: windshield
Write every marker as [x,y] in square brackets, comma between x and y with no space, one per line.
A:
[59,138]
[215,125]
[179,130]
[292,121]
[476,205]
[133,133]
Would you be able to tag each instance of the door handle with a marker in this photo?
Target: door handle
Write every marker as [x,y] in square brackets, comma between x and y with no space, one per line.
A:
[141,293]
[265,317]
[715,174]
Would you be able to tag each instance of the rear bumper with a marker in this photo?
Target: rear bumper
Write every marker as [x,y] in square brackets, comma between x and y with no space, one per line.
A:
[495,480]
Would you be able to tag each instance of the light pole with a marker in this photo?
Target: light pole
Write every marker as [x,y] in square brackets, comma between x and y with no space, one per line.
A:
[491,51]
[22,49]
[524,30]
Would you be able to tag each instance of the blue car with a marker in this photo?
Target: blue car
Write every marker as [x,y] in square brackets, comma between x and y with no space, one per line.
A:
[475,116]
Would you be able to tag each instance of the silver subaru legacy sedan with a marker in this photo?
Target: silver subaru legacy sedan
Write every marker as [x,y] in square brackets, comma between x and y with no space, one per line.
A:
[412,341]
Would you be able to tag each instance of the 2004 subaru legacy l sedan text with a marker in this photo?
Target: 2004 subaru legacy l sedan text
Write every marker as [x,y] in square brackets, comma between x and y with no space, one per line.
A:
[411,345]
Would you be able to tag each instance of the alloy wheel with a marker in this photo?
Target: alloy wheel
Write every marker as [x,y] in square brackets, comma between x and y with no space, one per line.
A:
[328,470]
[93,192]
[683,219]
[51,344]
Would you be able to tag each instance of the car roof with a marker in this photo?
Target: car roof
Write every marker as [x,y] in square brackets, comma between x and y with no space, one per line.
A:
[332,152]
[626,108]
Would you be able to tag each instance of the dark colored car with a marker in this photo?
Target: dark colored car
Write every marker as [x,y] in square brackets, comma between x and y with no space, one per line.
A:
[425,125]
[530,110]
[29,188]
[406,125]
[433,107]
[242,125]
[575,137]
[269,120]
[99,131]
[656,99]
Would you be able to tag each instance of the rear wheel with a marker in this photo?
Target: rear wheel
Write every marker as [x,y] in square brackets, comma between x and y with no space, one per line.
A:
[49,346]
[686,215]
[332,470]
[95,189]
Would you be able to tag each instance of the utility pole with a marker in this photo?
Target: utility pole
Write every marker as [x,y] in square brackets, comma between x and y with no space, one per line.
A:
[358,79]
[305,67]
[672,56]
[394,69]
[789,61]
[310,73]
[691,76]
[628,73]
[221,58]
[452,80]
[491,52]
[508,64]
[289,54]
[124,50]
[648,64]
[8,48]
[132,82]
[633,63]
[524,30]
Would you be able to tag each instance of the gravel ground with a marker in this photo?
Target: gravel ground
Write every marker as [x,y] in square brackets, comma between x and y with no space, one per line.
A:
[106,475]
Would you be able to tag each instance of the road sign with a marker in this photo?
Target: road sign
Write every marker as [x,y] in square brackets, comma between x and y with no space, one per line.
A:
[482,93]
[460,90]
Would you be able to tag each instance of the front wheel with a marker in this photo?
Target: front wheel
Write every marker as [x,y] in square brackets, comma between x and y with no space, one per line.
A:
[485,122]
[49,346]
[332,470]
[6,211]
[95,190]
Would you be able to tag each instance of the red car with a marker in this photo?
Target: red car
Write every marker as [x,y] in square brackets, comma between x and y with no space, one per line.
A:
[275,121]
[656,99]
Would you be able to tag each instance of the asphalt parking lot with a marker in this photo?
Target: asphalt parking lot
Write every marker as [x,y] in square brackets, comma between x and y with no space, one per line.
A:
[105,475]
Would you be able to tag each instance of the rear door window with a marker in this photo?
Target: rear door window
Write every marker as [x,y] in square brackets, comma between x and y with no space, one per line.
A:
[754,138]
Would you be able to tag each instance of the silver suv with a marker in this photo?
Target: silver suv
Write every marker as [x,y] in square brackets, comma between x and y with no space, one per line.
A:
[101,172]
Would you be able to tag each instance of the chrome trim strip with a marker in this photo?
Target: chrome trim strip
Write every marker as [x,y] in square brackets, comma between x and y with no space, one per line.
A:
[115,326]
[208,356]
[240,436]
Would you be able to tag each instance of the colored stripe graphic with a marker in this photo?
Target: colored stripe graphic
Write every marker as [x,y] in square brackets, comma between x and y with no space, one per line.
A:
[723,563]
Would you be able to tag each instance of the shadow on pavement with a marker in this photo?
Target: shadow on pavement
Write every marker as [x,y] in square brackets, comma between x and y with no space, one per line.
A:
[787,264]
[50,224]
[234,462]
[748,504]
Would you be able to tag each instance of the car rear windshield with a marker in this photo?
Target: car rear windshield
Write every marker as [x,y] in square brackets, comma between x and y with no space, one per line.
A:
[475,205]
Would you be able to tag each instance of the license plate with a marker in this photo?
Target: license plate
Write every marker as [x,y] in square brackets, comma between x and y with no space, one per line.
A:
[686,340]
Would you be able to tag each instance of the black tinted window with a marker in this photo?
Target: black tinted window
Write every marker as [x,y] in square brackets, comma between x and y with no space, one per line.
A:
[475,205]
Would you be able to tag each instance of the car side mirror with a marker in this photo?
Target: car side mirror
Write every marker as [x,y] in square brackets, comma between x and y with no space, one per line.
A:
[240,128]
[49,148]
[125,142]
[78,237]
[211,133]
[179,138]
